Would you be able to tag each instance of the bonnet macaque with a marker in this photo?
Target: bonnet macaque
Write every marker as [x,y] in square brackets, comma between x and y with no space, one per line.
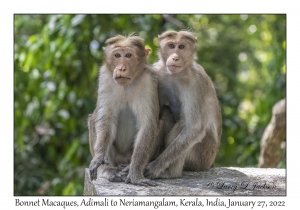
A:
[189,109]
[124,126]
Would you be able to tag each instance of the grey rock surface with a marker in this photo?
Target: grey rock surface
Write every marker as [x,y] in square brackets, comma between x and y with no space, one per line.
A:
[221,181]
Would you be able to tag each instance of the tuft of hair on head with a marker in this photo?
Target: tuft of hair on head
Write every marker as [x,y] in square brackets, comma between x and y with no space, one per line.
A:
[131,34]
[137,41]
[188,35]
[182,34]
[115,39]
[169,34]
[123,41]
[130,39]
[189,29]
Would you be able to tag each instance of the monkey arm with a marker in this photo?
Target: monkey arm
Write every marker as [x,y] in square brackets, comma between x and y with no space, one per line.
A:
[101,145]
[147,139]
[143,143]
[184,141]
[143,150]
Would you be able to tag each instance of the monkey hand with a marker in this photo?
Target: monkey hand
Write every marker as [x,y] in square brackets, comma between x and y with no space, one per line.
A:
[152,171]
[95,163]
[139,180]
[119,174]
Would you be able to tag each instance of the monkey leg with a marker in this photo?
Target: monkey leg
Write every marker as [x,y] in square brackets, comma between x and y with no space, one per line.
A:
[202,155]
[174,170]
[193,153]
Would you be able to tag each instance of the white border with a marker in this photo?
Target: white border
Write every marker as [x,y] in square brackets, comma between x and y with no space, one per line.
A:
[8,8]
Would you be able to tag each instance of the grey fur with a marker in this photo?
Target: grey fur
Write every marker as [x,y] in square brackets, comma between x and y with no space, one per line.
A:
[124,126]
[189,109]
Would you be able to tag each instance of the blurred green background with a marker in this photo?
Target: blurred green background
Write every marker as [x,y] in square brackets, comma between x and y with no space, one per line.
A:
[56,62]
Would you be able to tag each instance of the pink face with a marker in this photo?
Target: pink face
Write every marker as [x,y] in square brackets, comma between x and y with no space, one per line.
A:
[175,61]
[124,62]
[177,51]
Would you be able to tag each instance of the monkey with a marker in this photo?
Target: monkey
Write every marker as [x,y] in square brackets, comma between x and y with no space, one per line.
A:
[190,109]
[124,126]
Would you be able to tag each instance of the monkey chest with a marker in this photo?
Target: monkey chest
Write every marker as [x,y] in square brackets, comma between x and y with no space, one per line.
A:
[126,129]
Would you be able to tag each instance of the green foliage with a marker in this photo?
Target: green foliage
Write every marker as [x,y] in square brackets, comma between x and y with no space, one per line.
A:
[57,58]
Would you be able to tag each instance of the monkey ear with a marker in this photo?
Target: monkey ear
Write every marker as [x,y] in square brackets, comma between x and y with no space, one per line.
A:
[195,39]
[147,51]
[103,48]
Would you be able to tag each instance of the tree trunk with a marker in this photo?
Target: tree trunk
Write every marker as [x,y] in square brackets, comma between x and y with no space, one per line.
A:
[272,147]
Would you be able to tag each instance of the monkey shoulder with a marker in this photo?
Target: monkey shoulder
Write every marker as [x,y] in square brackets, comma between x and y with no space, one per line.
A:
[152,69]
[208,92]
[104,69]
[158,65]
[203,77]
[105,76]
[199,69]
[159,68]
[151,74]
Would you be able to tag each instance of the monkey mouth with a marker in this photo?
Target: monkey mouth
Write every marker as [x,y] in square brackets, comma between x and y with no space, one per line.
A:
[173,69]
[173,66]
[122,80]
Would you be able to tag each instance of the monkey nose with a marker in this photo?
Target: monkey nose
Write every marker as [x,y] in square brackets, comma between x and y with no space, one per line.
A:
[122,68]
[175,58]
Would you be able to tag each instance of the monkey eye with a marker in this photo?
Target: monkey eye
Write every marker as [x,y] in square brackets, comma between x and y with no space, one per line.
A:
[117,55]
[128,55]
[171,46]
[181,46]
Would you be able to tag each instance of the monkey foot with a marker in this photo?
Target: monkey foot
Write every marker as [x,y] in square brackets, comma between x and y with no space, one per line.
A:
[123,167]
[150,169]
[141,182]
[117,177]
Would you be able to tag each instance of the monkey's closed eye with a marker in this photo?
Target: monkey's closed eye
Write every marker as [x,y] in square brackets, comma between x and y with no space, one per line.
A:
[117,55]
[128,55]
[171,46]
[181,46]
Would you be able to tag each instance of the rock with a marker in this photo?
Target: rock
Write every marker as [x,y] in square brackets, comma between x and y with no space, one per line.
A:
[217,181]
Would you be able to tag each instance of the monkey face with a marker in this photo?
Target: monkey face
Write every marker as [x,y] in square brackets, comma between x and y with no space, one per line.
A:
[124,61]
[178,55]
[174,63]
[177,50]
[125,57]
